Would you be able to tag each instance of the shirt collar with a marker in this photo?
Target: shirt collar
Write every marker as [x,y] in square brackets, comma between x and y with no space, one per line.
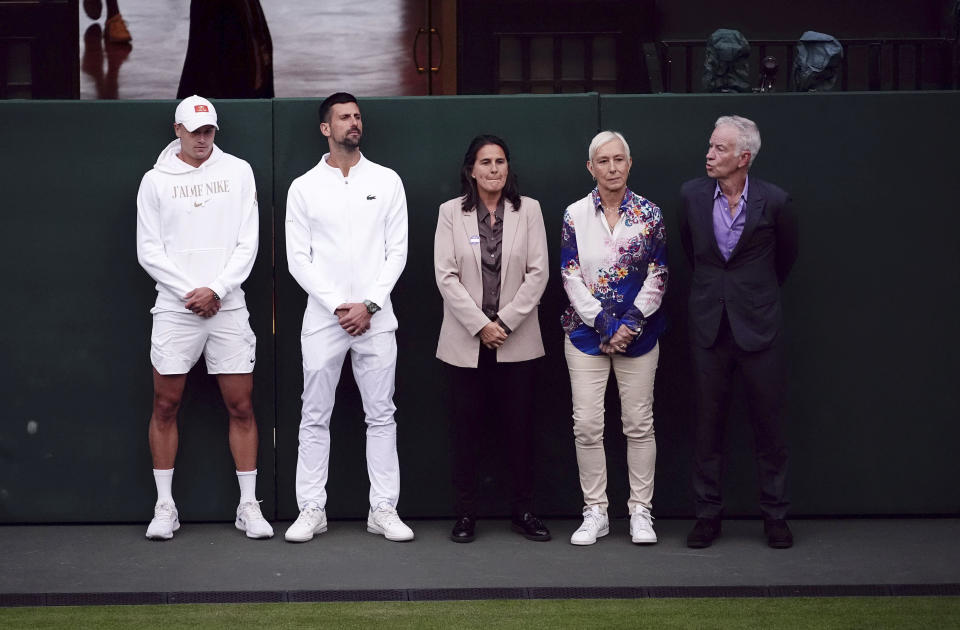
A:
[746,187]
[598,204]
[483,213]
[358,165]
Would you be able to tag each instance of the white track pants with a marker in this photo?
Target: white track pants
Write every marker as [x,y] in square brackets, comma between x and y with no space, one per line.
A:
[374,360]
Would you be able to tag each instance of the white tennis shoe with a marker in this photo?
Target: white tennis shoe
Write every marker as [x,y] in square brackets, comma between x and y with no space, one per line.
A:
[385,521]
[250,520]
[165,521]
[595,525]
[641,526]
[312,520]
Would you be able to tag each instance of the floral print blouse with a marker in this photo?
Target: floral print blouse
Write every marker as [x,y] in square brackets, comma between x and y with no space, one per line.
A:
[613,277]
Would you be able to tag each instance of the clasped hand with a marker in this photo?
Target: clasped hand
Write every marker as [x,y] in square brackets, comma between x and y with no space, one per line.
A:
[354,318]
[492,336]
[203,301]
[619,341]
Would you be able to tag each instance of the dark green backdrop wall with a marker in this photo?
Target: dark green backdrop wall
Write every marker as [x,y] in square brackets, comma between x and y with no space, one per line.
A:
[870,305]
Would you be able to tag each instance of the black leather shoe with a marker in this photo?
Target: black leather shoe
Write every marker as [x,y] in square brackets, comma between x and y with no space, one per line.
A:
[778,533]
[464,530]
[704,532]
[530,527]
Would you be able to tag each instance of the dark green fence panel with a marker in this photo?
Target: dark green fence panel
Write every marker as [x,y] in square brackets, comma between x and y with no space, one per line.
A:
[76,324]
[870,306]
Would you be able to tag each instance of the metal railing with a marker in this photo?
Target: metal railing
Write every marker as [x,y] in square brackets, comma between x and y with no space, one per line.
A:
[882,68]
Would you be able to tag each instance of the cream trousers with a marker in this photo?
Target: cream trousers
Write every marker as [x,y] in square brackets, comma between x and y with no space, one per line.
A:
[588,383]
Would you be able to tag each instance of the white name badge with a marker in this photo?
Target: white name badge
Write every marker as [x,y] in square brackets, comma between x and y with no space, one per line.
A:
[475,239]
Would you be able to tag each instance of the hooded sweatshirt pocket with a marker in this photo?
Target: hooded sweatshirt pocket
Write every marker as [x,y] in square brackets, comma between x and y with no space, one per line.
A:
[202,266]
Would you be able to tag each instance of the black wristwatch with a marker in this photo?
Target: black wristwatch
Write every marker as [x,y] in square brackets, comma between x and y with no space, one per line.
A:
[371,307]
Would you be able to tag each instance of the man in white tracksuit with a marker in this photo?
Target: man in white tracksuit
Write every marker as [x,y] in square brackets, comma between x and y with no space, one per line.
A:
[346,233]
[197,232]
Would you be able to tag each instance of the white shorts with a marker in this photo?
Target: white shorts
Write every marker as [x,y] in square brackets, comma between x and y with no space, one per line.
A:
[225,340]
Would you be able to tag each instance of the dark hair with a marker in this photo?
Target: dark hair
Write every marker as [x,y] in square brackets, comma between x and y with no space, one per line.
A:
[468,186]
[334,99]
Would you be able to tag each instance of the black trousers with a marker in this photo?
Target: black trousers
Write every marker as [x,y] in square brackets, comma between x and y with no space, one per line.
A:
[492,398]
[764,377]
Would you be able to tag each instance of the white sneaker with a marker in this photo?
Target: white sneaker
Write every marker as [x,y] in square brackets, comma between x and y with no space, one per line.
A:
[165,521]
[641,526]
[312,520]
[384,520]
[250,519]
[595,525]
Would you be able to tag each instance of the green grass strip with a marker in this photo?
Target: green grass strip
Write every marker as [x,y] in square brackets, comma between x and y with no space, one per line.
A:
[660,614]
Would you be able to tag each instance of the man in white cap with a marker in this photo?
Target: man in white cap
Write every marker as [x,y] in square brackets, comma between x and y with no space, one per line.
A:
[197,234]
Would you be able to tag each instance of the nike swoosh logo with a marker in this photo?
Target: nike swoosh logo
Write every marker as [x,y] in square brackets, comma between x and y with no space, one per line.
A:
[198,205]
[369,197]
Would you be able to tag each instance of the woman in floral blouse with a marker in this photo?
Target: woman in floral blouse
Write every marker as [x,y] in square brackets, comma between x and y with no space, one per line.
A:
[614,269]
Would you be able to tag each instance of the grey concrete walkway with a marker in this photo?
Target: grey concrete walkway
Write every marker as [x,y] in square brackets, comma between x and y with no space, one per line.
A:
[215,562]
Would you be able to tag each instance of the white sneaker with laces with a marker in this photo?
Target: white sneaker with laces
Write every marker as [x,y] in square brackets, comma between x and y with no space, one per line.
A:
[595,525]
[312,520]
[384,520]
[165,521]
[250,519]
[641,526]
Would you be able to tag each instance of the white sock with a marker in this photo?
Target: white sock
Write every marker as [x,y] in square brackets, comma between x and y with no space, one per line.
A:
[248,485]
[164,479]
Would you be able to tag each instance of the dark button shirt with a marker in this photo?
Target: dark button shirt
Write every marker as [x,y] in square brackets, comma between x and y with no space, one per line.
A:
[491,241]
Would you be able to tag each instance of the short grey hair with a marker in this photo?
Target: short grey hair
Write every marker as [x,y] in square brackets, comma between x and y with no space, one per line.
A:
[604,137]
[748,135]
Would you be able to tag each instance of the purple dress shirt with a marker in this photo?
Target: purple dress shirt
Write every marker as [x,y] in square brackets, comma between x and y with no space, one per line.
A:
[728,229]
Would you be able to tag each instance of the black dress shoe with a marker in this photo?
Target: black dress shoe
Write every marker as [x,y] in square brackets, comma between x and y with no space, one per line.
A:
[778,533]
[463,530]
[704,532]
[530,527]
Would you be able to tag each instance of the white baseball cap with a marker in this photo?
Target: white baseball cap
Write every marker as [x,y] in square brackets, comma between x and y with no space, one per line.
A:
[194,112]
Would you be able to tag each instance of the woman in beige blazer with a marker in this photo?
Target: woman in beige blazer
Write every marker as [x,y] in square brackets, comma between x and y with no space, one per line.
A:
[490,259]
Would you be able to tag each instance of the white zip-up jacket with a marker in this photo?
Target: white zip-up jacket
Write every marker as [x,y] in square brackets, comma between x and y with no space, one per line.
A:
[197,227]
[346,240]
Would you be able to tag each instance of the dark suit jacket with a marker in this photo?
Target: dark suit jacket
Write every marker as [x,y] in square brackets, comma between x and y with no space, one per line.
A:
[747,285]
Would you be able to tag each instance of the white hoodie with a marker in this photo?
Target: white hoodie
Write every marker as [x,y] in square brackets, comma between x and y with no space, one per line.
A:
[197,227]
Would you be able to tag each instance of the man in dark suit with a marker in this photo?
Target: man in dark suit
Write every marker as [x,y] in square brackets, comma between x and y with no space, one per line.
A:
[740,237]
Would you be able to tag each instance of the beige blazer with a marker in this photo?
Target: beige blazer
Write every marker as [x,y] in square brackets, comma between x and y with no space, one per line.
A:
[523,277]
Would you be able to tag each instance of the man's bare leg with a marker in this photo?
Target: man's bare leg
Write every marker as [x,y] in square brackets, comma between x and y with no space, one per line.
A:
[237,396]
[164,437]
[237,392]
